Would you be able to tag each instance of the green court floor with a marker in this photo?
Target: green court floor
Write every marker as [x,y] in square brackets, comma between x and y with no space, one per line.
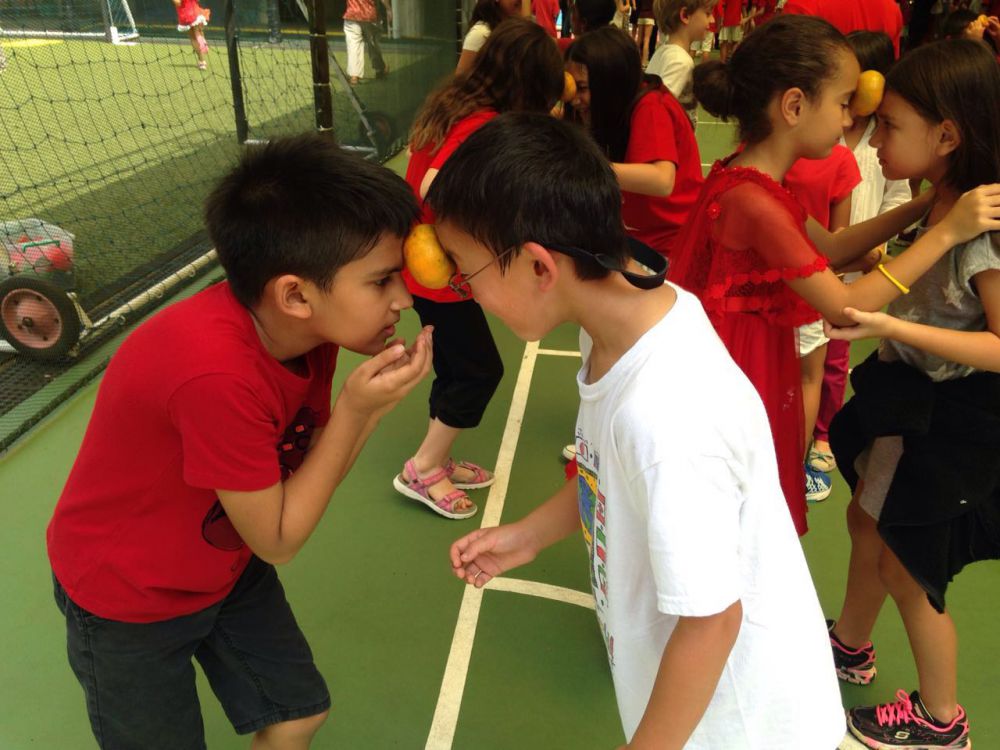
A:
[413,658]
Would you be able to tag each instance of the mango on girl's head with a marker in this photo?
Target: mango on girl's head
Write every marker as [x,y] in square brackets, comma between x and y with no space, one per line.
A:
[569,88]
[868,95]
[425,258]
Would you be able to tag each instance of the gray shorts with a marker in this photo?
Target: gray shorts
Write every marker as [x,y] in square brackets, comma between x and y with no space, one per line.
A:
[139,678]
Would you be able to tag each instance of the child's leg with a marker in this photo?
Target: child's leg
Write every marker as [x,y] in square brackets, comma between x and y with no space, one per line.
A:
[138,678]
[932,635]
[371,33]
[812,384]
[467,368]
[838,356]
[647,32]
[355,50]
[289,735]
[865,592]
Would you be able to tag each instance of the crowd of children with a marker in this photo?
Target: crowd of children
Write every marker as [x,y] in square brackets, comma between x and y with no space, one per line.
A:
[714,312]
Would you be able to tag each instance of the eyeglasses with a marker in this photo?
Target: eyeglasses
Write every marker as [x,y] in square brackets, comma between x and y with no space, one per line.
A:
[459,283]
[654,264]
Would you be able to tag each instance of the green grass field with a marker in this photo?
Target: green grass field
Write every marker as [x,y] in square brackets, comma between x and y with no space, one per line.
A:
[120,144]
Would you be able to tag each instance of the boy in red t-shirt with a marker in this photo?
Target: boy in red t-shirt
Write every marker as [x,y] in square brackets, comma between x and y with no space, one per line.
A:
[213,451]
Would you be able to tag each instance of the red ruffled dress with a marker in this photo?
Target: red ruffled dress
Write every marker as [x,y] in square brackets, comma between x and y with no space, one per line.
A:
[189,14]
[744,238]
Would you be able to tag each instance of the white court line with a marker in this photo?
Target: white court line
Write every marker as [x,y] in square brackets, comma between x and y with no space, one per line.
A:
[543,591]
[559,353]
[445,720]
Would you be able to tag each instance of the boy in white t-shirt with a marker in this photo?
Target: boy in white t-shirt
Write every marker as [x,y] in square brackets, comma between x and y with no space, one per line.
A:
[685,23]
[712,626]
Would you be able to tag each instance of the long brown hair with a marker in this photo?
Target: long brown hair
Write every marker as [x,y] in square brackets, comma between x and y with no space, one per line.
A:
[519,69]
[957,80]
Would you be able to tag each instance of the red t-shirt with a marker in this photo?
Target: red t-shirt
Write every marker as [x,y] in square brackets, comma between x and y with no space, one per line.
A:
[361,10]
[191,403]
[661,131]
[732,12]
[425,159]
[854,15]
[546,12]
[820,183]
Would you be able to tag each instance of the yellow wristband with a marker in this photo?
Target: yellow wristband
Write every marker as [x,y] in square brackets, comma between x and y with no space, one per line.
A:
[893,280]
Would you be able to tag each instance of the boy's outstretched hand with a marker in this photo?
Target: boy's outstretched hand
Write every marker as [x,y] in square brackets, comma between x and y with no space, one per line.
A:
[380,383]
[484,554]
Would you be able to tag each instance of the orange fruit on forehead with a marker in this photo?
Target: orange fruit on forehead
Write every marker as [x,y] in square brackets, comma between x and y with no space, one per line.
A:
[569,87]
[425,258]
[868,95]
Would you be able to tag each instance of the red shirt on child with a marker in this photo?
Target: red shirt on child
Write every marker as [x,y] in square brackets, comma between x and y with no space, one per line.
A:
[661,131]
[192,402]
[854,15]
[546,12]
[820,183]
[732,12]
[425,159]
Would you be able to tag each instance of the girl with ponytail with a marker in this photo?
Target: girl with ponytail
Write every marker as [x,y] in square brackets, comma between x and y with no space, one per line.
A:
[748,250]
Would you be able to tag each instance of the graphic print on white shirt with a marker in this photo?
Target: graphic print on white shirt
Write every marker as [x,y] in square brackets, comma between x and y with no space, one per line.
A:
[593,519]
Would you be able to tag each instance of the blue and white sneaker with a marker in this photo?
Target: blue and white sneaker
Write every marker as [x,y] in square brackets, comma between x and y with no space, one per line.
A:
[818,485]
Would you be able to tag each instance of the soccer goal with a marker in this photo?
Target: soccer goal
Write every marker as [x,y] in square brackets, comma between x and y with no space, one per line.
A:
[87,19]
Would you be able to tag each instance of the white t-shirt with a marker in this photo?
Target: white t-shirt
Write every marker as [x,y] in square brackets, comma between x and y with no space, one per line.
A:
[675,67]
[477,36]
[875,194]
[683,513]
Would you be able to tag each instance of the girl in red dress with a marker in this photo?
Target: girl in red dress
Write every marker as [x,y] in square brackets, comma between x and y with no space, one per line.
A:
[193,19]
[749,252]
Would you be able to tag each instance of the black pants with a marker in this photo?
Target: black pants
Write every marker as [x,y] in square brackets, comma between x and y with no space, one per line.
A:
[467,365]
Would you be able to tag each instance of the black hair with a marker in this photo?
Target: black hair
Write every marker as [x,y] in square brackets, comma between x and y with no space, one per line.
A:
[529,177]
[789,51]
[595,14]
[302,206]
[956,23]
[488,12]
[873,49]
[957,80]
[614,75]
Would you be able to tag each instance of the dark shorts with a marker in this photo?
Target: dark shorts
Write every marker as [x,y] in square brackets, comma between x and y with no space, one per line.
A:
[139,678]
[467,365]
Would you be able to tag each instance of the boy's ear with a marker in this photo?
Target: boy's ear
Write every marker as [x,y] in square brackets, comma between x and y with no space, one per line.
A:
[949,137]
[290,295]
[544,265]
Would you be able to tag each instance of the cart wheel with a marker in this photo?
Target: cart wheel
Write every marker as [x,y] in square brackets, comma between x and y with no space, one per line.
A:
[384,130]
[37,317]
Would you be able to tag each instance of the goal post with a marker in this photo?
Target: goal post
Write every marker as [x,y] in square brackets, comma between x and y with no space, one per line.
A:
[111,20]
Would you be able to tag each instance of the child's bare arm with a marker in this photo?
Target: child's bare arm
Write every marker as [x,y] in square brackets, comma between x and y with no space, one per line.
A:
[689,672]
[854,241]
[276,522]
[972,215]
[654,178]
[979,349]
[488,552]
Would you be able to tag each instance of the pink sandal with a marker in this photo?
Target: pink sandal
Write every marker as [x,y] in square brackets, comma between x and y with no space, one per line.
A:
[417,488]
[480,476]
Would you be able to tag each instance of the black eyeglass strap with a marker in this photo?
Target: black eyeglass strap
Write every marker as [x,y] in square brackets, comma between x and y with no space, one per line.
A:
[640,251]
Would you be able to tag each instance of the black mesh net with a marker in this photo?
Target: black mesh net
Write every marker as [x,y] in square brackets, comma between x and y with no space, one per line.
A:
[111,136]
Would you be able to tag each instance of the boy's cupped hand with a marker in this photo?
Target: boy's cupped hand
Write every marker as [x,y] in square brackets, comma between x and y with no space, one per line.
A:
[484,554]
[380,383]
